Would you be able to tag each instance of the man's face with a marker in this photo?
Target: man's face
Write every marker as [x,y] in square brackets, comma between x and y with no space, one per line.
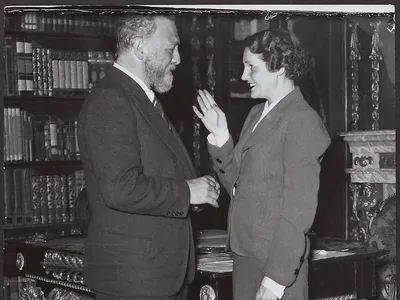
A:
[162,55]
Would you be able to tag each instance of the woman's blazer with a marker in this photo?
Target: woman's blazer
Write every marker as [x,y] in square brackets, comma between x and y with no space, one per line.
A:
[272,175]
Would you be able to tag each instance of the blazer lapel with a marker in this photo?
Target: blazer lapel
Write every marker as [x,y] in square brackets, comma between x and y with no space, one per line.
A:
[246,132]
[170,137]
[248,127]
[264,128]
[272,120]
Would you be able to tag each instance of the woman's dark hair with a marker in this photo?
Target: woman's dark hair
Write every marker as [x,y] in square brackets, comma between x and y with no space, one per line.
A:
[279,48]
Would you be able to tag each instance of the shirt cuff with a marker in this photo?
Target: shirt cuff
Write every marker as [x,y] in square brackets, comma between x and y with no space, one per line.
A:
[273,286]
[218,140]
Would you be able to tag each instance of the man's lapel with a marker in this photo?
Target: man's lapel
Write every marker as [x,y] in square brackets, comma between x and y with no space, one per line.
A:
[153,117]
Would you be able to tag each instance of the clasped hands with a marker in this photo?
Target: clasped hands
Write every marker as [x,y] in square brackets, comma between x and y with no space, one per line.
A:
[206,189]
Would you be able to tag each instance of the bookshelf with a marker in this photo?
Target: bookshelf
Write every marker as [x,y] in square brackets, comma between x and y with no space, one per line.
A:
[53,58]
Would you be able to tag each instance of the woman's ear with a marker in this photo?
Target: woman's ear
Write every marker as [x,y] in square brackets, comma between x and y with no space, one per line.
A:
[281,71]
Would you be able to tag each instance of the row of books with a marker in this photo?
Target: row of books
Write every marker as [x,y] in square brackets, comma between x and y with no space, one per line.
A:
[34,70]
[61,22]
[35,198]
[29,138]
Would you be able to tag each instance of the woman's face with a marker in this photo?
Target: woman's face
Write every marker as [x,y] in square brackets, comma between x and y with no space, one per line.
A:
[262,81]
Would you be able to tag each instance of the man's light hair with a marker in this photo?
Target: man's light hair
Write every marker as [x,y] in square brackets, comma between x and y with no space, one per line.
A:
[135,25]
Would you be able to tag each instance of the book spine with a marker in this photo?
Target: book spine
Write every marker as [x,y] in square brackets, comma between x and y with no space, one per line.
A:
[64,198]
[17,188]
[6,136]
[58,199]
[45,72]
[18,134]
[9,62]
[8,196]
[20,61]
[71,197]
[55,72]
[49,68]
[27,197]
[44,208]
[28,66]
[36,196]
[13,135]
[50,199]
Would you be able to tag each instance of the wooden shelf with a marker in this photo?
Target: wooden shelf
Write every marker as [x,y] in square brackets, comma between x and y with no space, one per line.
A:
[42,164]
[22,232]
[63,35]
[10,100]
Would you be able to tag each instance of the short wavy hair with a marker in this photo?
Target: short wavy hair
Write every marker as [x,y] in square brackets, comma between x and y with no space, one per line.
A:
[279,48]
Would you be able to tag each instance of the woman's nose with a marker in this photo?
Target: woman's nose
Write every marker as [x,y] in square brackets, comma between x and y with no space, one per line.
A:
[245,75]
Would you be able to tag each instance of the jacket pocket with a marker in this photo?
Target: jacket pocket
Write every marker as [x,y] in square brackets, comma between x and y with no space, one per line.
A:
[128,243]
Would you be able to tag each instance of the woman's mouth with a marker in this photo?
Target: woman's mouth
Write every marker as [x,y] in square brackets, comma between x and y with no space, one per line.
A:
[252,85]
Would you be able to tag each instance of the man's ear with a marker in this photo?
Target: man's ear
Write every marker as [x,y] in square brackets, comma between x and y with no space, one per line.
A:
[138,47]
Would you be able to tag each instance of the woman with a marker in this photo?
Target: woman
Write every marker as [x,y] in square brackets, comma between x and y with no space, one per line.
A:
[272,173]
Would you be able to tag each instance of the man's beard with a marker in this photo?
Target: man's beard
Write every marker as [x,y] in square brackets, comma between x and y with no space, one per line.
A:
[160,78]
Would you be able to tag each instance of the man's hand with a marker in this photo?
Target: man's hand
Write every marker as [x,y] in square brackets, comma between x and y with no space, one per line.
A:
[204,190]
[264,293]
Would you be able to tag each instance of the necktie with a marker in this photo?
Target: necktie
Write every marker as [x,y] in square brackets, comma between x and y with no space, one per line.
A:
[158,106]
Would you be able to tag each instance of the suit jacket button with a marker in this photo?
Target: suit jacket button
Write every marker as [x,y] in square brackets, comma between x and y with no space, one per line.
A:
[222,171]
[218,160]
[296,272]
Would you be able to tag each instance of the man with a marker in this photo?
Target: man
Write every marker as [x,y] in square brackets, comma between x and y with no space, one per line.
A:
[139,176]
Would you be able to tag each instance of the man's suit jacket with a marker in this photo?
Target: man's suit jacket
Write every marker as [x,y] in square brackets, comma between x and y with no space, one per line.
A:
[139,240]
[275,173]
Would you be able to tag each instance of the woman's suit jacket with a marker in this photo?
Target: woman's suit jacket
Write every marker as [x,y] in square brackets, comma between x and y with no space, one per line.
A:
[273,177]
[139,240]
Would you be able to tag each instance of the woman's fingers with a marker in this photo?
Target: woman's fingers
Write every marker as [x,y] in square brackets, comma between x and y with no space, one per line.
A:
[210,99]
[197,112]
[201,104]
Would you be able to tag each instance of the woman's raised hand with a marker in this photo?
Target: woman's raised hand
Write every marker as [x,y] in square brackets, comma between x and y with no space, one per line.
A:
[211,115]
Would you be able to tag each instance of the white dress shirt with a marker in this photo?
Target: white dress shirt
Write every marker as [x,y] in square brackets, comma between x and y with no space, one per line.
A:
[219,141]
[149,92]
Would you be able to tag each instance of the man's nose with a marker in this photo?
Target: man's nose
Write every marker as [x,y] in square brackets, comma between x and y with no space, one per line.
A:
[177,58]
